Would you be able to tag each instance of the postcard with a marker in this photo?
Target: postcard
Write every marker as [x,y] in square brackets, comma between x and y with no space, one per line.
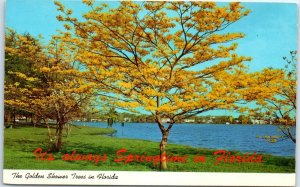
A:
[169,93]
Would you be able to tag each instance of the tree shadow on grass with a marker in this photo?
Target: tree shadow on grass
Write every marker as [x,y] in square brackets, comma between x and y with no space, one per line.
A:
[281,162]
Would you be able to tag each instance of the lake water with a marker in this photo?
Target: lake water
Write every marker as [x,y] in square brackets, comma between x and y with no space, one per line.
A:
[228,137]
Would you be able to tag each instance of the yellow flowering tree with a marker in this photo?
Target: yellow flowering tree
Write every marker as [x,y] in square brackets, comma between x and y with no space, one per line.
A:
[281,105]
[52,92]
[171,59]
[21,74]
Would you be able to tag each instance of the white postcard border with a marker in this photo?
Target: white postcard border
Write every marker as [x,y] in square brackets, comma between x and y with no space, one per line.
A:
[148,178]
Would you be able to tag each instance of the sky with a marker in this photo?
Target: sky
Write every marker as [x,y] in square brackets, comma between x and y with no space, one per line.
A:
[270,28]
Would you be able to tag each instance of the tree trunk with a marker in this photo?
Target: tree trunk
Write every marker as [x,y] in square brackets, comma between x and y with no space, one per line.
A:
[110,122]
[68,129]
[49,132]
[7,116]
[33,120]
[59,137]
[294,140]
[163,152]
[291,136]
[164,140]
[14,115]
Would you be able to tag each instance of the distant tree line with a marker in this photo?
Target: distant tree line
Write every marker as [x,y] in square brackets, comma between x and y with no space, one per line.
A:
[145,118]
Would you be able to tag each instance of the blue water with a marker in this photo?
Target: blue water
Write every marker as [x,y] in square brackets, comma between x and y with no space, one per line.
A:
[228,137]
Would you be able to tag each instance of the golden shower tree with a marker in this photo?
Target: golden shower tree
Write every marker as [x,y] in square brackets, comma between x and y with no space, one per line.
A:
[281,104]
[171,59]
[49,90]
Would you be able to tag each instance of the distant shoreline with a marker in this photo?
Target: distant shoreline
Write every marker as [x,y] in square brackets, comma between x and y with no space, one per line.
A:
[74,122]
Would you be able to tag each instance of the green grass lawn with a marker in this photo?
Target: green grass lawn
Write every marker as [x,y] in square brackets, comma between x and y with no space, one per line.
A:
[20,143]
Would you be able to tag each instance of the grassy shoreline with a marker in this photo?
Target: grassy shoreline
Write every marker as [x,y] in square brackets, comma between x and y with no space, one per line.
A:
[21,142]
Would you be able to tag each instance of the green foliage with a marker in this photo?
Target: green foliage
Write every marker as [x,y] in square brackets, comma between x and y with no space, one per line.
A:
[15,63]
